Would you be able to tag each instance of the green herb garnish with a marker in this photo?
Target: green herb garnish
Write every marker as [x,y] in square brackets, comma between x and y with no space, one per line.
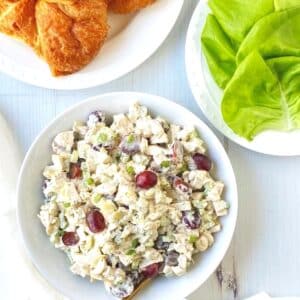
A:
[89,181]
[135,243]
[130,139]
[130,252]
[130,170]
[192,239]
[103,137]
[59,232]
[67,204]
[96,198]
[165,164]
[182,168]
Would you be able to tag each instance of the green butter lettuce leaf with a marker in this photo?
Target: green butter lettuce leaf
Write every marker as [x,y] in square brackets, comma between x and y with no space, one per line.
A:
[284,4]
[224,31]
[287,70]
[218,51]
[238,16]
[263,96]
[252,48]
[275,35]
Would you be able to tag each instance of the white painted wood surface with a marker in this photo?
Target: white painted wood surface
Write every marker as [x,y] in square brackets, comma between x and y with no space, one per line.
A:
[264,254]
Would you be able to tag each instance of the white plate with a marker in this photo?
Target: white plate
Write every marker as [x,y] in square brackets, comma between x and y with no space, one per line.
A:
[208,95]
[54,265]
[133,38]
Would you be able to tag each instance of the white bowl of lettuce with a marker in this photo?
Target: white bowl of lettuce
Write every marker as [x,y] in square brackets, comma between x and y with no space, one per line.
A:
[243,66]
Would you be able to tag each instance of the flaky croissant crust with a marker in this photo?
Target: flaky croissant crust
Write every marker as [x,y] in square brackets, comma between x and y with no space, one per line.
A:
[68,34]
[128,6]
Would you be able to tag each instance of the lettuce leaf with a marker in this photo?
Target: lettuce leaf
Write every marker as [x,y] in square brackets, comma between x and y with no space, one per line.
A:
[218,51]
[275,35]
[238,16]
[287,70]
[284,4]
[253,52]
[263,95]
[224,31]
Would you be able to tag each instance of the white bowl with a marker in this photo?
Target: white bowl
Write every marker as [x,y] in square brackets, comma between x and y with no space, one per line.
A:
[53,264]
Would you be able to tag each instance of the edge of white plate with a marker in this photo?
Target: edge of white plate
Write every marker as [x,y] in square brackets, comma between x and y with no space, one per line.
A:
[9,67]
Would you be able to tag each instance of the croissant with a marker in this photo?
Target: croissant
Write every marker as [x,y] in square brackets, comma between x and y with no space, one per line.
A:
[68,34]
[17,19]
[128,6]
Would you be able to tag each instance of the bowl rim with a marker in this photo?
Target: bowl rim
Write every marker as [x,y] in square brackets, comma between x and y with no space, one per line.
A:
[135,95]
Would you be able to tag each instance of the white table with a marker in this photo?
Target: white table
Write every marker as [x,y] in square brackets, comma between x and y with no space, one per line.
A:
[264,254]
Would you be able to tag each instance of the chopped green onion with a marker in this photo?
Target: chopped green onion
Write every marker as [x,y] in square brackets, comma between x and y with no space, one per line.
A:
[134,243]
[165,164]
[130,252]
[130,170]
[130,139]
[182,168]
[59,232]
[192,239]
[227,205]
[96,198]
[89,181]
[103,137]
[67,204]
